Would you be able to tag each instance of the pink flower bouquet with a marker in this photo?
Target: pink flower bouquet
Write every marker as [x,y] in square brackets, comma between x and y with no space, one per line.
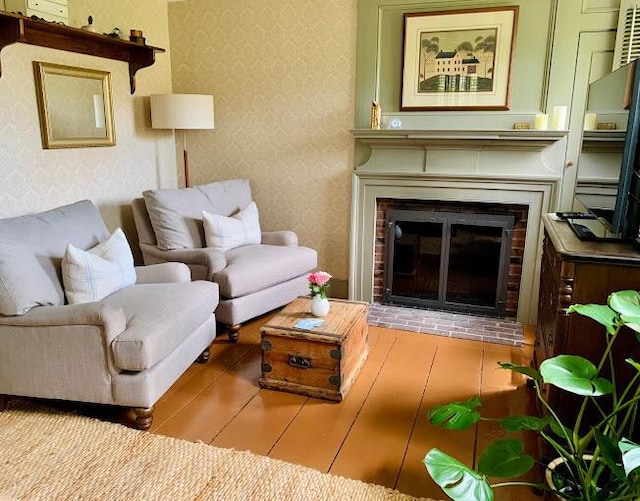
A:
[319,283]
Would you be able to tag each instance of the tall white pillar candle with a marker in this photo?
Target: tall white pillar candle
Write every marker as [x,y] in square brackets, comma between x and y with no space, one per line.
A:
[590,121]
[541,121]
[559,119]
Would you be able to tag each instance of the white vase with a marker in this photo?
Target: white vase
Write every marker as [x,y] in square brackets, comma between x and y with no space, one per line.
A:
[319,306]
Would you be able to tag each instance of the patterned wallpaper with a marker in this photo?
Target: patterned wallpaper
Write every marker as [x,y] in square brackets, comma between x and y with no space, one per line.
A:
[282,73]
[35,179]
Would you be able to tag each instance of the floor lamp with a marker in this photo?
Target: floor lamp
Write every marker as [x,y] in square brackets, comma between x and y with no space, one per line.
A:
[182,112]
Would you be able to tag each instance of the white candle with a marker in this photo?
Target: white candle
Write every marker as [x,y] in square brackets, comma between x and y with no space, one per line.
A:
[590,121]
[559,119]
[541,121]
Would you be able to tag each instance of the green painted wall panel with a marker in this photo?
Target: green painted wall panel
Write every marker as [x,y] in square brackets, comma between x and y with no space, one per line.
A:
[380,49]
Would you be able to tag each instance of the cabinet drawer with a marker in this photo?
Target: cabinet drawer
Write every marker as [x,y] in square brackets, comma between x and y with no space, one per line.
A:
[49,7]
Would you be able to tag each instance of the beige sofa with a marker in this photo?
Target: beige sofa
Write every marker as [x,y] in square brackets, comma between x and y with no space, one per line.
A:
[253,279]
[126,349]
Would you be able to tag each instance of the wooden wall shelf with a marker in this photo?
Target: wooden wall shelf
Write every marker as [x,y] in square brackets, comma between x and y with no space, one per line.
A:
[15,28]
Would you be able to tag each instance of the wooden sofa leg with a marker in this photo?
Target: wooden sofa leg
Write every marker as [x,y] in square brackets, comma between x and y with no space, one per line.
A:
[204,356]
[233,331]
[139,418]
[3,402]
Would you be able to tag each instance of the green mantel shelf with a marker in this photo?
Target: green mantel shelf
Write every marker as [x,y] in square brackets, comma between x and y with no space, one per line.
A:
[15,28]
[511,139]
[461,134]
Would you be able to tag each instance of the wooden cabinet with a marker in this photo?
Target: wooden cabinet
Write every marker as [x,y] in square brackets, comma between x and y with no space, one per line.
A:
[575,271]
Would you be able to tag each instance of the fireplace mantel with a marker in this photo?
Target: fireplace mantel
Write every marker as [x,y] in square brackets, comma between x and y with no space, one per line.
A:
[460,138]
[488,166]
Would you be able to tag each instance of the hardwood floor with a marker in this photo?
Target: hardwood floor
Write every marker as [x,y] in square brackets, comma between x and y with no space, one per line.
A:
[378,434]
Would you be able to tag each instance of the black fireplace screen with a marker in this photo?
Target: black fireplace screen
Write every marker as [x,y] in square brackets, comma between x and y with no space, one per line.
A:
[447,260]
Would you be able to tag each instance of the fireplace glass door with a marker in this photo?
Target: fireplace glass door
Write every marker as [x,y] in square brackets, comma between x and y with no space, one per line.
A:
[445,260]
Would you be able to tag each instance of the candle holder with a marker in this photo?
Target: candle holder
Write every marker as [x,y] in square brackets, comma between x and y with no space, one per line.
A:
[559,118]
[541,121]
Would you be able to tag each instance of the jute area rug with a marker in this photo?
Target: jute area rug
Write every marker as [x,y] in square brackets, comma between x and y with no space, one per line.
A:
[53,455]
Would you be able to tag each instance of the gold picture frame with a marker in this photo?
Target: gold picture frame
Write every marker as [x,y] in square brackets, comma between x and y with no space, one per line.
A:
[458,60]
[75,106]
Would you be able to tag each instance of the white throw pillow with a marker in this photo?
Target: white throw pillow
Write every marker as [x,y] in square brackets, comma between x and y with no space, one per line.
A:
[225,233]
[95,273]
[23,282]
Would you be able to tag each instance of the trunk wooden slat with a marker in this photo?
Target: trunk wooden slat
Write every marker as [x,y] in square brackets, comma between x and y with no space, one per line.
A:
[322,362]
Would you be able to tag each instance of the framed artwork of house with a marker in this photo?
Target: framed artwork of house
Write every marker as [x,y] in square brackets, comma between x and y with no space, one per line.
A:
[458,60]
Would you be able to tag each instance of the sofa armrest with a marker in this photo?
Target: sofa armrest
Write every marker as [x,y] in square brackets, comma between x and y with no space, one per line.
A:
[61,352]
[163,273]
[90,314]
[213,259]
[282,238]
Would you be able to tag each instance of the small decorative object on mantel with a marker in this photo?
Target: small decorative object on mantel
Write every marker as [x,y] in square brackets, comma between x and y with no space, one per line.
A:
[559,118]
[606,126]
[376,115]
[115,33]
[541,121]
[318,285]
[395,123]
[590,121]
[521,125]
[89,26]
[136,36]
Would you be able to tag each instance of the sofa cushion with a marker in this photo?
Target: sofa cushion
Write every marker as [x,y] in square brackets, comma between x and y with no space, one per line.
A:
[159,318]
[176,214]
[226,233]
[23,282]
[46,235]
[246,271]
[95,273]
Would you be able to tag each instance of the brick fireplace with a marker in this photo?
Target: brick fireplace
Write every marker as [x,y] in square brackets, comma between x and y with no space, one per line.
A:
[515,252]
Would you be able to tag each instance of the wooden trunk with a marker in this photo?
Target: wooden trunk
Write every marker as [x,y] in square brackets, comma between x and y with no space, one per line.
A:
[322,362]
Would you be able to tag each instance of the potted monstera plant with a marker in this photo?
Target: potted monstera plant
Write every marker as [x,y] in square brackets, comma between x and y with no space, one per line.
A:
[595,462]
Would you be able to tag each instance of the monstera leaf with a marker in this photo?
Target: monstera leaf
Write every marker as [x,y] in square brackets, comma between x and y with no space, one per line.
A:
[610,453]
[601,313]
[522,369]
[574,374]
[505,459]
[521,423]
[627,304]
[633,363]
[456,415]
[630,455]
[456,479]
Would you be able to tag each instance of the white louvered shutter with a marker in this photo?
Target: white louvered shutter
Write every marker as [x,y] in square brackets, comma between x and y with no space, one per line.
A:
[628,34]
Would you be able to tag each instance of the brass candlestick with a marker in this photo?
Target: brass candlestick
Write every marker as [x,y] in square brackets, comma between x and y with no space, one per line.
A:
[376,115]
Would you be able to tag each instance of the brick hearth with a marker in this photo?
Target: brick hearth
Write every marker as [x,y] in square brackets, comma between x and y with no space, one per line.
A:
[440,323]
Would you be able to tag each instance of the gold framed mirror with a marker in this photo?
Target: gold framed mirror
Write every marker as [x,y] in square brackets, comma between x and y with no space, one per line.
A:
[75,106]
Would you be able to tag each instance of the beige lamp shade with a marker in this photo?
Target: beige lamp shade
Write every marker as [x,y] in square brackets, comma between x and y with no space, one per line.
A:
[182,111]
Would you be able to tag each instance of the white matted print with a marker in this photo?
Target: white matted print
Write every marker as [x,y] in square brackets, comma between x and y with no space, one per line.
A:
[458,60]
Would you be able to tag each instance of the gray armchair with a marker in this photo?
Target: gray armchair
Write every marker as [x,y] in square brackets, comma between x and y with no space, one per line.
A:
[253,279]
[125,350]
